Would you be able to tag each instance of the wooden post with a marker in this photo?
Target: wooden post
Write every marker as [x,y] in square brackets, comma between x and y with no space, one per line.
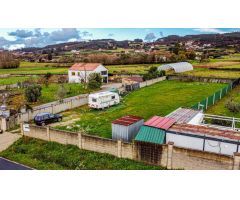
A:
[169,155]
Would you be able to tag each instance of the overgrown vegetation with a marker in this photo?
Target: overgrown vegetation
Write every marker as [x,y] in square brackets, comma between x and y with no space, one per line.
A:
[8,61]
[33,93]
[94,81]
[39,154]
[152,73]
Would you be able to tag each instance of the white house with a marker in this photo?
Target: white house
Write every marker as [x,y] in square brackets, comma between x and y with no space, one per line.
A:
[80,72]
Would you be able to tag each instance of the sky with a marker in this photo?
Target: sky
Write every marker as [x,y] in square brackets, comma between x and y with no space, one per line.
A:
[19,38]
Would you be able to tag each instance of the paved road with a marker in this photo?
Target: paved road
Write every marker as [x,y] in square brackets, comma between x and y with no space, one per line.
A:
[9,165]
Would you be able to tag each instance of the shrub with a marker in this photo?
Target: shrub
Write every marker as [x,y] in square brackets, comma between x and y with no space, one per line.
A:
[33,92]
[233,106]
[94,81]
[61,92]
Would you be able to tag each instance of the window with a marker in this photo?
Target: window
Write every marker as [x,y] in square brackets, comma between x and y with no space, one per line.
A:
[73,73]
[103,72]
[113,97]
[94,100]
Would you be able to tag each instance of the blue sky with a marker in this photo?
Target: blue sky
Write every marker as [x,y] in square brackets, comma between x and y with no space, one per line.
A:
[17,37]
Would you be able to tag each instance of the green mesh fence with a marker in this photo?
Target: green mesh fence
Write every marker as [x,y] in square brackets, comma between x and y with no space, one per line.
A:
[211,100]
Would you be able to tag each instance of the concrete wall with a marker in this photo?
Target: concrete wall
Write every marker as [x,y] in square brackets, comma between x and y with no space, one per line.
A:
[168,156]
[152,81]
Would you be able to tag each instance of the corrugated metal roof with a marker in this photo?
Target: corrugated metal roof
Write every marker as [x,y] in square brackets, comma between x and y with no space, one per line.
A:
[183,115]
[203,130]
[127,120]
[151,134]
[160,122]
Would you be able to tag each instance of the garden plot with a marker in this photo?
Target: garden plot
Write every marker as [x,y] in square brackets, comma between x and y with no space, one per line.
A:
[158,99]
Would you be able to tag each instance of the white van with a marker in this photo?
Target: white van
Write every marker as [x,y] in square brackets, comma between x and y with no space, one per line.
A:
[103,99]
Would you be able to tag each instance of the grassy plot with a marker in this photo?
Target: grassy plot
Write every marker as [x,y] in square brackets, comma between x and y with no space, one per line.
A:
[39,154]
[12,80]
[130,69]
[158,99]
[213,73]
[220,108]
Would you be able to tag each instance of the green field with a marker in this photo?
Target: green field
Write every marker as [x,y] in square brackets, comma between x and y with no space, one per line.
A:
[158,99]
[12,80]
[220,109]
[43,155]
[199,72]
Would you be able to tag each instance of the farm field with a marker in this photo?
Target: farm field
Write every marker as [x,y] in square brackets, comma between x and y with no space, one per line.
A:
[49,93]
[12,80]
[158,99]
[220,109]
[200,72]
[43,155]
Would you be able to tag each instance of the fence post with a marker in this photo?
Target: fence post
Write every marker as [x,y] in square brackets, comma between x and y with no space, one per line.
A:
[221,94]
[169,155]
[119,148]
[236,161]
[214,98]
[80,140]
[206,103]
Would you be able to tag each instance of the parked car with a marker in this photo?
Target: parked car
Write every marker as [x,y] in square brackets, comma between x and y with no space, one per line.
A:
[42,119]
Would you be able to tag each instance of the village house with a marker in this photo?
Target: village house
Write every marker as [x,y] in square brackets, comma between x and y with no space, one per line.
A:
[80,72]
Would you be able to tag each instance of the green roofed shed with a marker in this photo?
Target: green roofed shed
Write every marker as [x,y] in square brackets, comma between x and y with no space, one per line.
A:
[151,134]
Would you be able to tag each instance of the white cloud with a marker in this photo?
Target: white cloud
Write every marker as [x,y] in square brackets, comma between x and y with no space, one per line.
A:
[16,46]
[209,30]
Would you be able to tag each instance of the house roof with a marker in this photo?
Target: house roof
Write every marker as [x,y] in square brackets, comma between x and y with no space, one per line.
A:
[127,120]
[135,79]
[160,122]
[204,130]
[84,66]
[151,134]
[183,115]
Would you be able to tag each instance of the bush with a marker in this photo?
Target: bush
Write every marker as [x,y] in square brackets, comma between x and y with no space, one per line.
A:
[33,92]
[233,106]
[153,73]
[94,81]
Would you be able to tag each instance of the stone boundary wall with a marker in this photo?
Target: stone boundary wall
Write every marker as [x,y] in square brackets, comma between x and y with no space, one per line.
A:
[169,156]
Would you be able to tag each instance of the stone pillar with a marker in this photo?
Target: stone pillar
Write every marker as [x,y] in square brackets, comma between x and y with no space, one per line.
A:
[48,133]
[80,140]
[236,161]
[169,155]
[119,148]
[3,123]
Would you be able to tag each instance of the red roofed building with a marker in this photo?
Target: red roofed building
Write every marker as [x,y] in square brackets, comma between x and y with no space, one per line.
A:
[80,72]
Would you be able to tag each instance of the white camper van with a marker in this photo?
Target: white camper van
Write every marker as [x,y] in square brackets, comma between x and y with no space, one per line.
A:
[103,99]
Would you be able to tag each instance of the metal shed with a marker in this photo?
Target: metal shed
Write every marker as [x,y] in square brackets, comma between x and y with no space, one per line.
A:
[177,67]
[126,128]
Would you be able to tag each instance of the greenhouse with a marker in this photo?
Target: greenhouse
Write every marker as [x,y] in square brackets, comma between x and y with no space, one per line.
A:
[177,67]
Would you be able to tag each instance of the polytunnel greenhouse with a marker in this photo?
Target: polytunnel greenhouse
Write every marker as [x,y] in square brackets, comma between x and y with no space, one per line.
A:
[177,67]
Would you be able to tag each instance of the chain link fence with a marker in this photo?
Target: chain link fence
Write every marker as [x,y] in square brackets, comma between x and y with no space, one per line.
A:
[211,100]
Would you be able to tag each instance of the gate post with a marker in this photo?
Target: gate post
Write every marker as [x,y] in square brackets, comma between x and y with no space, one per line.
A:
[169,155]
[80,140]
[236,161]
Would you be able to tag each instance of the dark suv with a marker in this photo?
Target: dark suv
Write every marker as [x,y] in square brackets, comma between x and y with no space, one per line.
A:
[42,119]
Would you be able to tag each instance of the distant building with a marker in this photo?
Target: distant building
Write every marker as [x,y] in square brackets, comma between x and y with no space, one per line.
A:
[80,72]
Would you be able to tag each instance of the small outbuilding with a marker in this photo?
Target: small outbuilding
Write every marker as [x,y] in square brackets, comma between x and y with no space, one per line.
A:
[126,128]
[177,67]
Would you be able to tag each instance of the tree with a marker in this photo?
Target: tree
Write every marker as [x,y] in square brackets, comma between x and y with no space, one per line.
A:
[49,56]
[61,92]
[152,73]
[94,81]
[7,61]
[33,92]
[46,78]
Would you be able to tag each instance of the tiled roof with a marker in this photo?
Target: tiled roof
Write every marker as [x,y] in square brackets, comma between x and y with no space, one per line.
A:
[160,122]
[183,115]
[127,120]
[85,66]
[203,130]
